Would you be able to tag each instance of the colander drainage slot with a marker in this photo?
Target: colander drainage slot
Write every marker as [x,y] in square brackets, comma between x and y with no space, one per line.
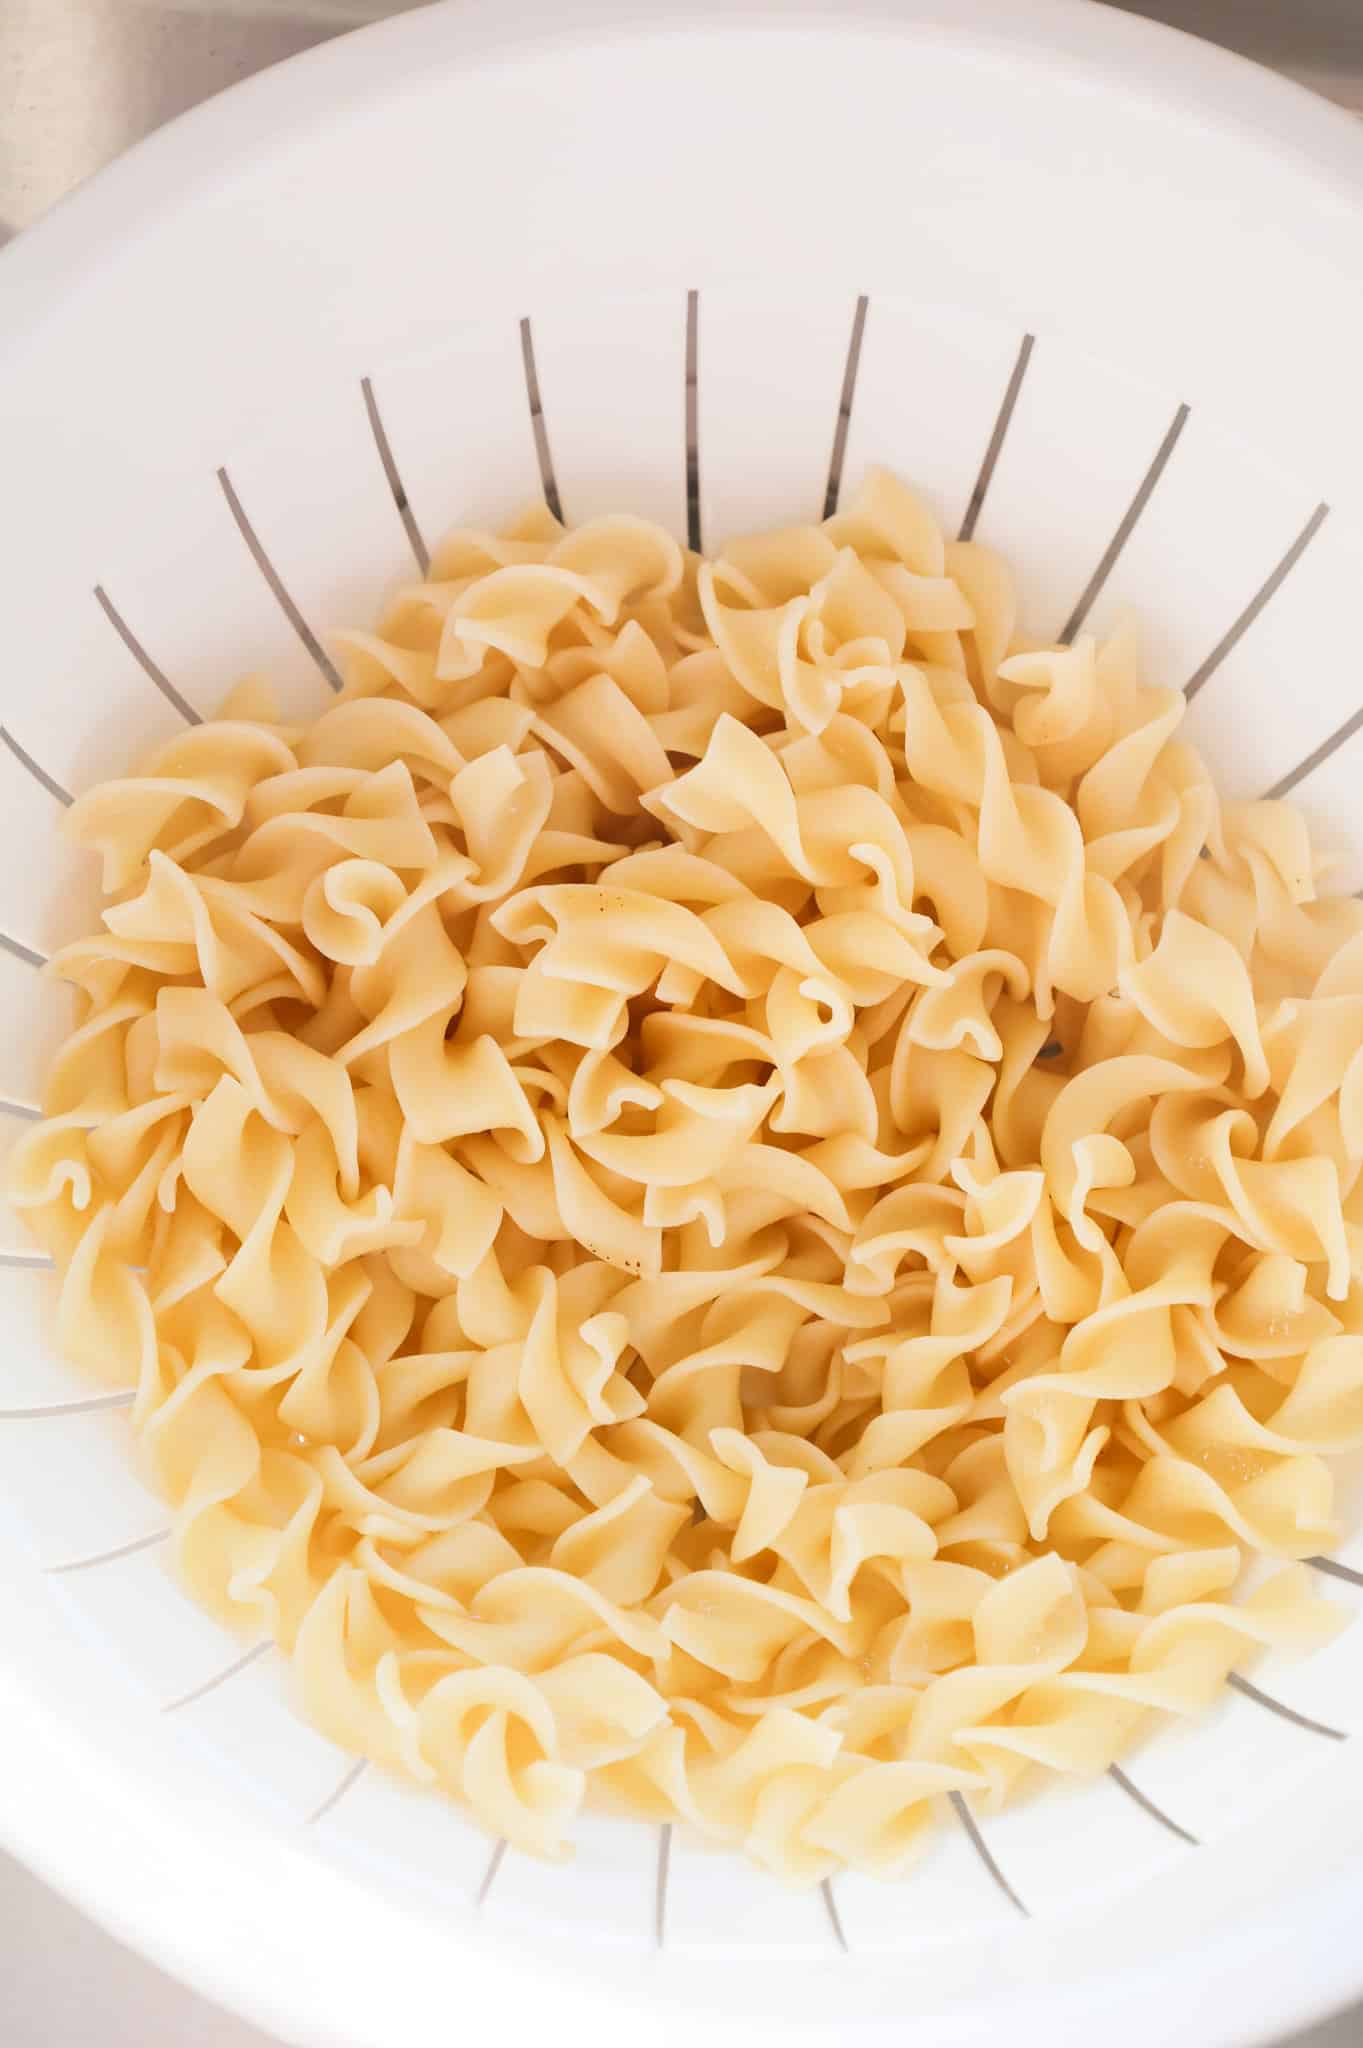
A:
[1125,529]
[151,669]
[93,1405]
[1284,1712]
[276,583]
[1332,1567]
[337,1793]
[693,421]
[997,439]
[1315,759]
[200,1692]
[548,481]
[39,774]
[490,1874]
[394,477]
[984,1852]
[1271,583]
[831,1904]
[660,1883]
[86,1564]
[28,954]
[844,419]
[1147,1805]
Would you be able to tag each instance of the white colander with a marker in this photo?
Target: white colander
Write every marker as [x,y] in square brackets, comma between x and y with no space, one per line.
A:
[1097,290]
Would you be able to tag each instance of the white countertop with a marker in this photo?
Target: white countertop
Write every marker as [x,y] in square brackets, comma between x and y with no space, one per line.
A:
[79,81]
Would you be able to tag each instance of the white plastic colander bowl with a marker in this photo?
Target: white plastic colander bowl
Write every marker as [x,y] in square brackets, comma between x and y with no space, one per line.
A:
[1094,287]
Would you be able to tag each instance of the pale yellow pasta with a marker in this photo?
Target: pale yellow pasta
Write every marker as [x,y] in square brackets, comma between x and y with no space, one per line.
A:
[723,1190]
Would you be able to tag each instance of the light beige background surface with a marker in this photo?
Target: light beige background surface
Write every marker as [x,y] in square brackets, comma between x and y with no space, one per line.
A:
[79,81]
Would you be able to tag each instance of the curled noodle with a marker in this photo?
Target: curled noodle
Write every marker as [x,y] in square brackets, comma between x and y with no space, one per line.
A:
[723,1190]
